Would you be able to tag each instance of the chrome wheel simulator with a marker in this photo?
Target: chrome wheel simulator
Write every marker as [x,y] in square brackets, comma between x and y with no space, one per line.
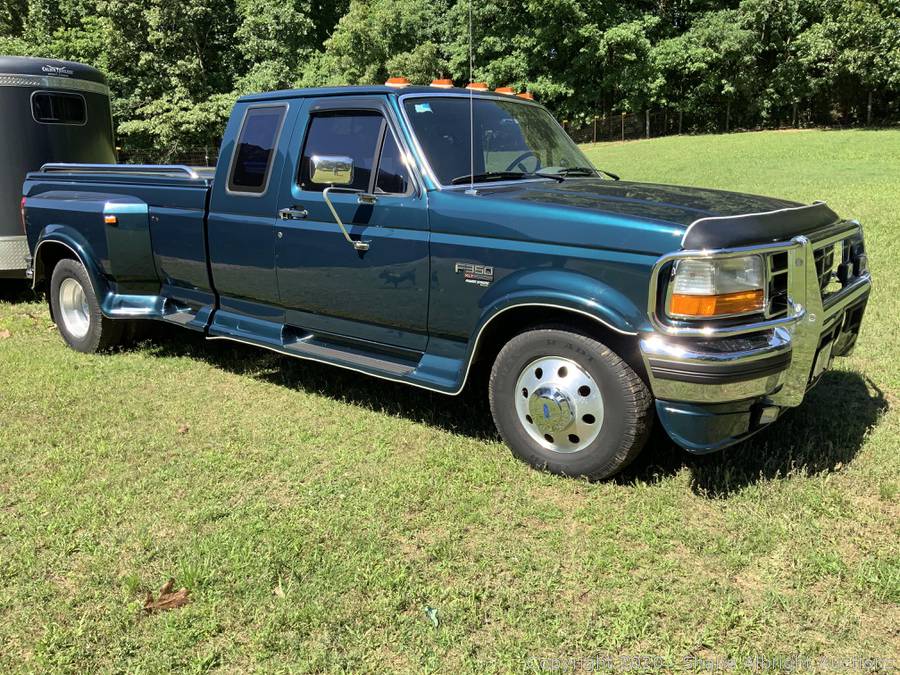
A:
[73,305]
[559,404]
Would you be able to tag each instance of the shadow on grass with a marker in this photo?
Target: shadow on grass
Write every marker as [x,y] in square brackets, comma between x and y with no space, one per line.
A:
[466,414]
[825,432]
[16,291]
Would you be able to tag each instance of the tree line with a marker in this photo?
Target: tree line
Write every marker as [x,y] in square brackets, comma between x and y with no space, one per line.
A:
[176,66]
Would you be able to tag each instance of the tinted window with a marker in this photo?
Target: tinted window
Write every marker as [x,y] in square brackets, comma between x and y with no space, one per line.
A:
[54,108]
[253,157]
[355,135]
[508,136]
[393,174]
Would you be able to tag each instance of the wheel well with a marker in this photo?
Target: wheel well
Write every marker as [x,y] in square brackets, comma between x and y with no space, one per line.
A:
[515,321]
[49,255]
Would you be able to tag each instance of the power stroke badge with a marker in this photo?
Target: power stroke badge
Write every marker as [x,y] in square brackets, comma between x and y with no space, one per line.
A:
[480,275]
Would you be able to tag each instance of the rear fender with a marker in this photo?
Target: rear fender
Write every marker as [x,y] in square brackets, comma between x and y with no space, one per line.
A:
[77,247]
[112,304]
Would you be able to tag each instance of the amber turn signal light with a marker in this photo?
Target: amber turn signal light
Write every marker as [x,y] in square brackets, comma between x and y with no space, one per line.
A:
[717,305]
[110,220]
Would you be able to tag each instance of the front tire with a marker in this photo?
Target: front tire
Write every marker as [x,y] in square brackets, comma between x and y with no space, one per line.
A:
[76,310]
[566,403]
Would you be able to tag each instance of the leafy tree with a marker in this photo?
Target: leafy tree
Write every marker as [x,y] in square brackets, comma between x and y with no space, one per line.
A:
[377,39]
[864,41]
[708,68]
[176,67]
[12,16]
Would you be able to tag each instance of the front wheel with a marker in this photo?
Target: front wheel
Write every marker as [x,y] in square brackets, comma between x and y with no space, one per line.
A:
[77,312]
[565,402]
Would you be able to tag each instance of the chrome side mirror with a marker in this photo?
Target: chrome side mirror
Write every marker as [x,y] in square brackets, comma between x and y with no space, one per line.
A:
[331,169]
[335,171]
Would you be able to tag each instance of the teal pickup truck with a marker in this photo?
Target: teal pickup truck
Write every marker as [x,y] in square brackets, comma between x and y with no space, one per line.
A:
[415,233]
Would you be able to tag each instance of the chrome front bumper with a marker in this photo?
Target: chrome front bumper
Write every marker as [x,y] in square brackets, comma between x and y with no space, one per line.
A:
[773,361]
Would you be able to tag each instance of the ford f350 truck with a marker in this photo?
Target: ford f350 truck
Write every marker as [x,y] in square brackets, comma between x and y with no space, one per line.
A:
[413,233]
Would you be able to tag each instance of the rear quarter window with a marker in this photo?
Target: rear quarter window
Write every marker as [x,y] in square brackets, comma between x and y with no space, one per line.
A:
[255,150]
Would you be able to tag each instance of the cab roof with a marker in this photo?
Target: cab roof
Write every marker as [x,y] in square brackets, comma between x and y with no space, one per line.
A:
[371,89]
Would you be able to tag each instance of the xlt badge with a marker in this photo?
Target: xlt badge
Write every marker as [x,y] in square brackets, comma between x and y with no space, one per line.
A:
[480,275]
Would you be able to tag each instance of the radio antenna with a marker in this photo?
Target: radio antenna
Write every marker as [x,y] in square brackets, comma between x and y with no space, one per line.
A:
[471,189]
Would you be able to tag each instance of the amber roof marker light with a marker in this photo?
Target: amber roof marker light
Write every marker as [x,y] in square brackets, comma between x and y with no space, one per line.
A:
[397,82]
[442,84]
[509,91]
[477,86]
[527,95]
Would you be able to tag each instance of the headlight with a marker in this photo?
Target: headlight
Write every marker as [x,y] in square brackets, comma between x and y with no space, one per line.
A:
[717,287]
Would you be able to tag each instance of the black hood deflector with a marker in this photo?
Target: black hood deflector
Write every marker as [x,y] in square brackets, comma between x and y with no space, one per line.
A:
[757,228]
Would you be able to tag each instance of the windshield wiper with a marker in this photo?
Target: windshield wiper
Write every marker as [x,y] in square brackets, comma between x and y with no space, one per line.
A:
[584,171]
[489,176]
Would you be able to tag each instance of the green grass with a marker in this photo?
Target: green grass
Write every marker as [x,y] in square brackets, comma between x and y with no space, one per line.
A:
[316,516]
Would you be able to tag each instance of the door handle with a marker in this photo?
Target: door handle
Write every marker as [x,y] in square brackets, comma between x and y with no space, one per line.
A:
[293,214]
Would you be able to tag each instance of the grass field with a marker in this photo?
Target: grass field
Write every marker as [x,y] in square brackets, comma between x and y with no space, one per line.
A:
[325,522]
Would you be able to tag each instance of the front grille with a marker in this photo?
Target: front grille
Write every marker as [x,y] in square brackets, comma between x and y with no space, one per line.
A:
[778,285]
[825,258]
[837,264]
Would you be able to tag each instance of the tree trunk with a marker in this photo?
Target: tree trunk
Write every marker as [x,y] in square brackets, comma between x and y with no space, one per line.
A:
[795,114]
[680,119]
[727,116]
[623,127]
[869,110]
[595,129]
[647,118]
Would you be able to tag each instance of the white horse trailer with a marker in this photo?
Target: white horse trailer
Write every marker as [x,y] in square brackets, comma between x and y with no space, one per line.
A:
[50,111]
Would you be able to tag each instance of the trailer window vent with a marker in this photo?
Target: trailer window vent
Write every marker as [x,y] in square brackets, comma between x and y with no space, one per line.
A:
[58,108]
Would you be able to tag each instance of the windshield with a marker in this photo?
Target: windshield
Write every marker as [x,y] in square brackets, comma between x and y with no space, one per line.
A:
[512,140]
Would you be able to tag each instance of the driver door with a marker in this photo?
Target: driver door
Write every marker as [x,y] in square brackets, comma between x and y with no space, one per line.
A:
[325,284]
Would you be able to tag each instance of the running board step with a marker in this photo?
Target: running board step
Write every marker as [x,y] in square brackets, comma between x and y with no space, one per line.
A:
[322,352]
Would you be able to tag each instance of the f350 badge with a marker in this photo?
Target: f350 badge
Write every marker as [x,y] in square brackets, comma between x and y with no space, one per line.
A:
[480,275]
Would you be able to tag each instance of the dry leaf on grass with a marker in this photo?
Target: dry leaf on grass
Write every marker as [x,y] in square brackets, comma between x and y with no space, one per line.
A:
[5,334]
[184,428]
[167,599]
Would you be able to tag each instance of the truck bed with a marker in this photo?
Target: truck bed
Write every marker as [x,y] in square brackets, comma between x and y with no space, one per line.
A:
[143,224]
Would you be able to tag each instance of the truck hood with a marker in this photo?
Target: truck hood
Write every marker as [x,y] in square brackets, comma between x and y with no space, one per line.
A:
[670,204]
[642,218]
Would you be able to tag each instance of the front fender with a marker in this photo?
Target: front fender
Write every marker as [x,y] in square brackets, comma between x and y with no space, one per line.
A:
[567,290]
